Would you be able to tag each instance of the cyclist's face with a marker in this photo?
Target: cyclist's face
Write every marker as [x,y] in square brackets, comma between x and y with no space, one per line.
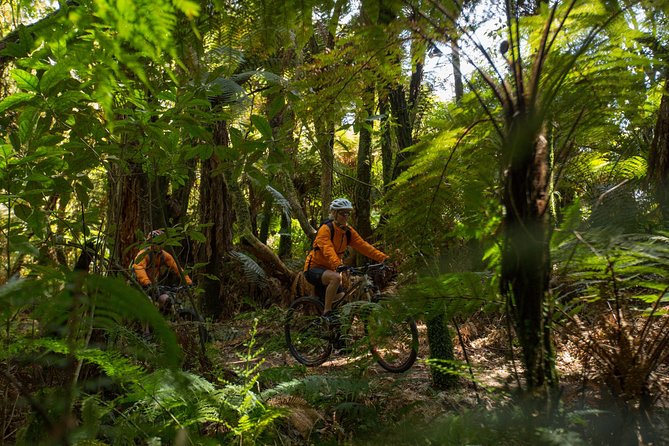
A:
[342,217]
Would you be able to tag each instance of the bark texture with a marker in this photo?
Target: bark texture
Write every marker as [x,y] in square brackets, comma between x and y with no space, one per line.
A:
[216,212]
[526,255]
[658,158]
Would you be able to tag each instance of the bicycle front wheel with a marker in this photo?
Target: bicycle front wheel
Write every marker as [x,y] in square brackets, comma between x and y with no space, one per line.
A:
[393,340]
[307,335]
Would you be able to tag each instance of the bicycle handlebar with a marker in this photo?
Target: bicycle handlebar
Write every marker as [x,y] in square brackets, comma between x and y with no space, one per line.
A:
[172,288]
[361,270]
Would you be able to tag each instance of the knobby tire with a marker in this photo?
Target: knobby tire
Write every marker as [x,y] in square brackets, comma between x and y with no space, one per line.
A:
[307,335]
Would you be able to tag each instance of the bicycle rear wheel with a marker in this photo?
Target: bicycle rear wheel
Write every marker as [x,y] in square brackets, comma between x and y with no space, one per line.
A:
[393,340]
[307,335]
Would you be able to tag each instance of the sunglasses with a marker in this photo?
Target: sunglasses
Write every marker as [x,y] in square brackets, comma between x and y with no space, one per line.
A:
[344,213]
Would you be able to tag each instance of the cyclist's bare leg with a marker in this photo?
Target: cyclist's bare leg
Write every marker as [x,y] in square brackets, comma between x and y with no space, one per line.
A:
[332,280]
[163,302]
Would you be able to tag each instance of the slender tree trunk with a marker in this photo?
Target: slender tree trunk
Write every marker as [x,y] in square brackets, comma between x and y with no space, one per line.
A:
[386,143]
[658,158]
[285,240]
[403,130]
[177,211]
[263,233]
[216,213]
[364,169]
[415,93]
[458,87]
[325,140]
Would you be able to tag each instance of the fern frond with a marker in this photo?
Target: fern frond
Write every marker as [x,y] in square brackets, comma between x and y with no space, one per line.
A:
[280,200]
[252,271]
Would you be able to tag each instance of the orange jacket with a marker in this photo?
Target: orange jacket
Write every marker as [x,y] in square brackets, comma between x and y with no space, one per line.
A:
[152,267]
[328,253]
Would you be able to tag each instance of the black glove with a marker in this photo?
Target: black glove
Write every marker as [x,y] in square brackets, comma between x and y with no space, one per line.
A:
[342,268]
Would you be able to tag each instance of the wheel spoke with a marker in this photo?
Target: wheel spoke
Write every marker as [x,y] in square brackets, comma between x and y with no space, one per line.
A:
[393,340]
[307,334]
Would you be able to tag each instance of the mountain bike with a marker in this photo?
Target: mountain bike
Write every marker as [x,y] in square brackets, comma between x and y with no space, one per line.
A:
[181,310]
[364,315]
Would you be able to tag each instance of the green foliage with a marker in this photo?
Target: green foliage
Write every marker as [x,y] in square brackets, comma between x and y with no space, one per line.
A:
[615,282]
[459,195]
[501,426]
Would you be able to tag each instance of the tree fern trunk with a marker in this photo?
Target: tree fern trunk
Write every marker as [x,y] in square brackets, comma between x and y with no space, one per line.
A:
[525,255]
[441,348]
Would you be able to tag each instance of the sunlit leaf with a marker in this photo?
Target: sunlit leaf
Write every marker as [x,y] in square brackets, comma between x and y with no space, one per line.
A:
[15,100]
[25,80]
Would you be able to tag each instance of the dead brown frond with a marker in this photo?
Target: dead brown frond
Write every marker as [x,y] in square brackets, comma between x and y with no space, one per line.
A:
[299,287]
[300,414]
[623,351]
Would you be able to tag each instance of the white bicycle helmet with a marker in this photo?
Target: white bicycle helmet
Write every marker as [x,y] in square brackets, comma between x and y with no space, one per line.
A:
[339,204]
[154,233]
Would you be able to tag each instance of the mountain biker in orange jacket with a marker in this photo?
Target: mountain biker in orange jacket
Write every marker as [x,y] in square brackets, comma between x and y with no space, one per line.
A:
[153,266]
[324,262]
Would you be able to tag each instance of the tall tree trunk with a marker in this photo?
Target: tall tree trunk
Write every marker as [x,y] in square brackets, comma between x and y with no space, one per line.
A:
[403,130]
[217,213]
[286,239]
[363,186]
[325,139]
[458,87]
[126,187]
[263,233]
[386,142]
[658,158]
[157,202]
[414,93]
[177,213]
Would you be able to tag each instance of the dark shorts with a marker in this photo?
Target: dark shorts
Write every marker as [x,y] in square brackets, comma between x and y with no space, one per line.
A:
[314,276]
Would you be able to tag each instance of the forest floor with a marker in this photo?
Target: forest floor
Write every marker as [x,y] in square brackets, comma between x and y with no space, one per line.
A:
[377,407]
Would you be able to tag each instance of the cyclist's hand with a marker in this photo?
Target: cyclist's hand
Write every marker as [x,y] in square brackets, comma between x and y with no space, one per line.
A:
[390,263]
[343,268]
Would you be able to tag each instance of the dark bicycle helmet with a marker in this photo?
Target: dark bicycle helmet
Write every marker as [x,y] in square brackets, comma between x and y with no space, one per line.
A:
[153,234]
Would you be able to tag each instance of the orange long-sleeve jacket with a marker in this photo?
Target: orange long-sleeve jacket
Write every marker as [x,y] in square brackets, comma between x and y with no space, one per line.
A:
[152,267]
[328,254]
